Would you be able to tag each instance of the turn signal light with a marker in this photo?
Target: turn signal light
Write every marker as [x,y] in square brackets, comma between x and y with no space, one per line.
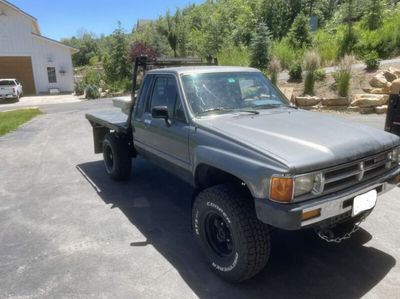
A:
[281,189]
[311,214]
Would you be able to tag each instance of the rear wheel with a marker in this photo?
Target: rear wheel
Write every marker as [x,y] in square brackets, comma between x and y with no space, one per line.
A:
[235,242]
[117,158]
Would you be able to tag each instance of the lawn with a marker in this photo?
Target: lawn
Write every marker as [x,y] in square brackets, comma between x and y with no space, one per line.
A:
[11,120]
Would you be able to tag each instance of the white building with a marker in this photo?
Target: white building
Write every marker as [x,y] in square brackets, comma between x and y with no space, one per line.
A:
[38,62]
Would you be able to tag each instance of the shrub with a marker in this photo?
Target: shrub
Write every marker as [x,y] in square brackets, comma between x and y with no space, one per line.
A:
[79,88]
[327,46]
[295,72]
[348,42]
[139,48]
[92,76]
[372,60]
[120,86]
[274,69]
[320,75]
[311,63]
[343,75]
[233,55]
[92,92]
[285,53]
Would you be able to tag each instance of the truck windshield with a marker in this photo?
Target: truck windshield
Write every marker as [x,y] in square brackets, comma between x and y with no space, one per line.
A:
[230,92]
[6,82]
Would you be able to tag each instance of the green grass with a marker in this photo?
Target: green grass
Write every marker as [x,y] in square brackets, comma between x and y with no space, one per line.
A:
[11,120]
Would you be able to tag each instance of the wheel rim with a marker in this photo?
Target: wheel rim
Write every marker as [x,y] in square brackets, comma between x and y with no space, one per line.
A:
[108,158]
[219,236]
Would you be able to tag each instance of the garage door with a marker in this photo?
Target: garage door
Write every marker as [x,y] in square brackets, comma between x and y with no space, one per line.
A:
[19,68]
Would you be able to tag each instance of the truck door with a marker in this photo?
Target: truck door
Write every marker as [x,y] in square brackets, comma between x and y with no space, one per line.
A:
[156,139]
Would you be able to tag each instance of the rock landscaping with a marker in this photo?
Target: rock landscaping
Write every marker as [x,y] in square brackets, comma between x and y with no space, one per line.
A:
[374,100]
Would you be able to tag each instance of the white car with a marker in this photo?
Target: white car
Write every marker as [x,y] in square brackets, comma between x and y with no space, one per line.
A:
[10,89]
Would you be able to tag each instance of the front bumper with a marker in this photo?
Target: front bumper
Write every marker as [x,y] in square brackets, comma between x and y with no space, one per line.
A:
[7,96]
[334,207]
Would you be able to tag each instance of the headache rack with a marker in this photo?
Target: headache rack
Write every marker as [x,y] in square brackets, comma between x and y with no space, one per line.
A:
[145,63]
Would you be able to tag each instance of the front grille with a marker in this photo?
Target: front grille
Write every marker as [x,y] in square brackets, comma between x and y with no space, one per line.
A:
[344,176]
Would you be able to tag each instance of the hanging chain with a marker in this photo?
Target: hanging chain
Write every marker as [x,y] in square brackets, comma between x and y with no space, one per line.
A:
[328,236]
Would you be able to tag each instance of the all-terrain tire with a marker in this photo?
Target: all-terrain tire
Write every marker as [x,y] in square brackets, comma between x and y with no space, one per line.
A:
[117,157]
[250,238]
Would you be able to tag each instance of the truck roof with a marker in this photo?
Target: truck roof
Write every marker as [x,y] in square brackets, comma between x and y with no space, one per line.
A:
[202,70]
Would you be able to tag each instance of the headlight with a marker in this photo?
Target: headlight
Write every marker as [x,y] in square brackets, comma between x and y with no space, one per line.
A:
[394,155]
[303,184]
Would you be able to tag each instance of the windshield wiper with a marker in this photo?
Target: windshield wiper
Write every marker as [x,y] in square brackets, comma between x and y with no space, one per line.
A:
[227,109]
[248,111]
[270,106]
[217,109]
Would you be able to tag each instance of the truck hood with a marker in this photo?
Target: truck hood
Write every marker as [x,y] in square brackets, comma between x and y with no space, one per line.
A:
[304,141]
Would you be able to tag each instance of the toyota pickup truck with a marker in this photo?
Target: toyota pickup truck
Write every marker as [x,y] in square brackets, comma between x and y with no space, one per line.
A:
[10,89]
[255,161]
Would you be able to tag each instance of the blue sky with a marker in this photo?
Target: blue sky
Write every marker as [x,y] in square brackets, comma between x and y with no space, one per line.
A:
[58,19]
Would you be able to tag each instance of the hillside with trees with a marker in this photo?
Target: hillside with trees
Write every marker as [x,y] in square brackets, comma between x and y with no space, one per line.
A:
[268,34]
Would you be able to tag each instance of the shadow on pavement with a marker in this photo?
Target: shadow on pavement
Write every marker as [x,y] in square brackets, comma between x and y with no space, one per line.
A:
[301,265]
[8,101]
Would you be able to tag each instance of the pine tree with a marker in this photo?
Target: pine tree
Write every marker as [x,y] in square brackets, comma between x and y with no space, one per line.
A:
[116,65]
[374,14]
[299,34]
[260,47]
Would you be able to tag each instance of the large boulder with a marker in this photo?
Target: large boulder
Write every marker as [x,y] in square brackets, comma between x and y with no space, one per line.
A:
[288,92]
[340,101]
[381,109]
[395,88]
[353,109]
[383,90]
[394,71]
[332,108]
[307,101]
[369,100]
[378,81]
[389,76]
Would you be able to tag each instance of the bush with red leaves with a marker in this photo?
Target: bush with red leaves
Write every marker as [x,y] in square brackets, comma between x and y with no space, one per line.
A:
[141,48]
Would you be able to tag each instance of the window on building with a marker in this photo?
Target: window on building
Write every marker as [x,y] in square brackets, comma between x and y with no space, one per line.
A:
[51,74]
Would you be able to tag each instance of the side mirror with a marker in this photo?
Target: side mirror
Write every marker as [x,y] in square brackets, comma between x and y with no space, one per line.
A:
[159,112]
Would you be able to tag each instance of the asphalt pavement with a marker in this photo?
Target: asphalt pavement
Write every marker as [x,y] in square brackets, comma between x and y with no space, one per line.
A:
[68,231]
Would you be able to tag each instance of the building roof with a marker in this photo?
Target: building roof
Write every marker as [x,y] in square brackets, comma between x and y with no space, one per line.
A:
[72,49]
[35,26]
[16,8]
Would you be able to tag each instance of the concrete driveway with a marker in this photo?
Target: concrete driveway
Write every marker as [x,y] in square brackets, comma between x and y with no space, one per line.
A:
[67,231]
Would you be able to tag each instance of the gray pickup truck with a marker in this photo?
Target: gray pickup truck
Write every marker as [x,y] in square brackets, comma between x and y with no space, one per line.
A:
[255,161]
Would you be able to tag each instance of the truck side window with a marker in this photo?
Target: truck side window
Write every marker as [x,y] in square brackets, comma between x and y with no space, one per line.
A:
[142,97]
[165,93]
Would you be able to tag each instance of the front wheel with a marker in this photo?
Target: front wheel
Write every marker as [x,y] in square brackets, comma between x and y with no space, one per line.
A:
[225,225]
[117,158]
